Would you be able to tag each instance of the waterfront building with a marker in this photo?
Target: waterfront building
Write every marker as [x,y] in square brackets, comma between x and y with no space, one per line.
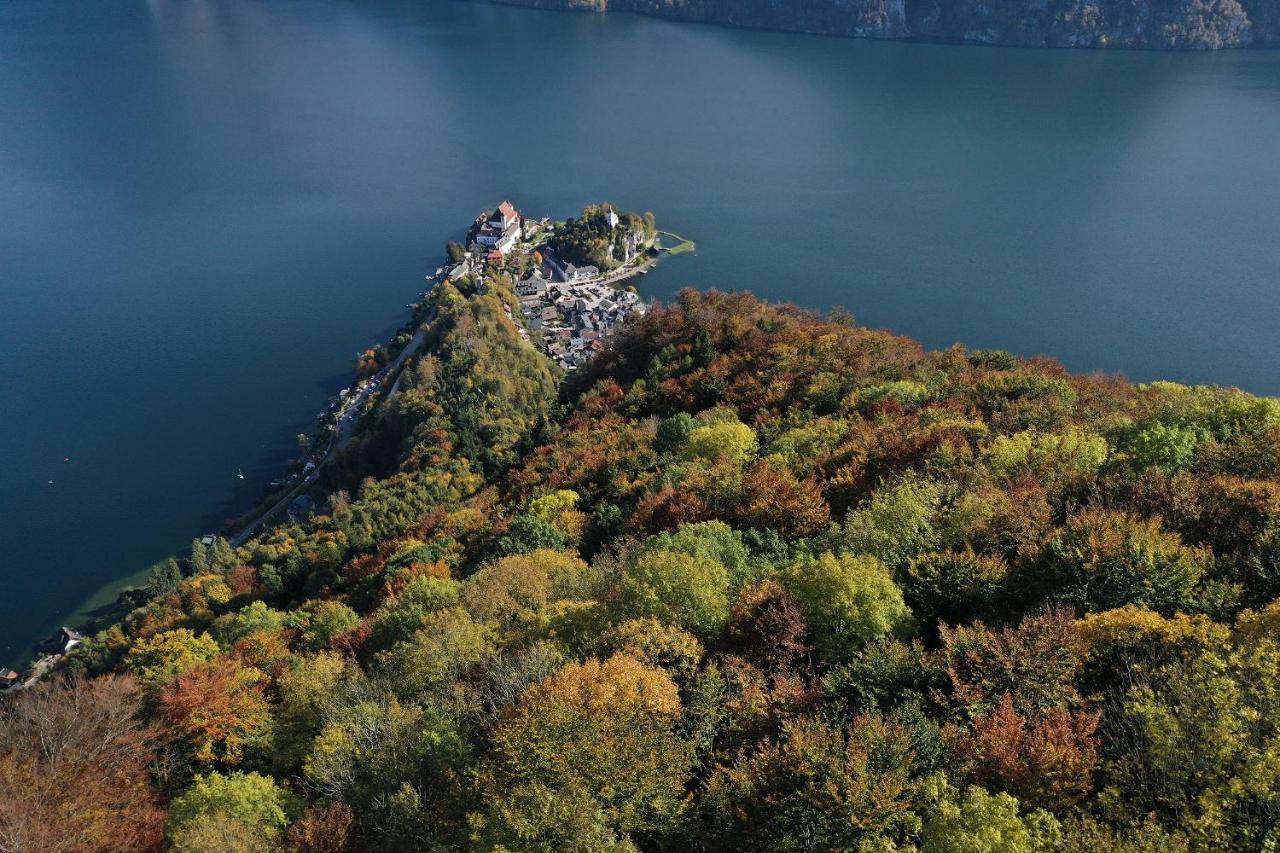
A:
[501,229]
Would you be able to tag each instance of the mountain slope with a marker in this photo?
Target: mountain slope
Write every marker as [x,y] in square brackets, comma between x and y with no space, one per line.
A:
[753,580]
[1150,24]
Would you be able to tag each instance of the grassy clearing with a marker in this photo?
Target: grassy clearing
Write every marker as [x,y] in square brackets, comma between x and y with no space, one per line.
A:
[681,244]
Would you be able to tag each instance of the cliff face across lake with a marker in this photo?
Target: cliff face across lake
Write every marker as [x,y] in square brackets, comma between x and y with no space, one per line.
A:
[1146,24]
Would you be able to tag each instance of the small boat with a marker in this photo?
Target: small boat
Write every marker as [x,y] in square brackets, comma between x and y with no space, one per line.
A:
[239,473]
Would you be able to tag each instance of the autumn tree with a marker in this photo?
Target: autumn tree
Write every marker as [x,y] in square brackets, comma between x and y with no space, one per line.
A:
[159,659]
[73,769]
[606,728]
[515,589]
[216,709]
[1105,559]
[817,787]
[1035,664]
[767,626]
[321,830]
[772,497]
[1046,760]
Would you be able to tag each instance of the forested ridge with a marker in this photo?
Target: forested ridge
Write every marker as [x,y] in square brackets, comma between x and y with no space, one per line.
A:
[752,580]
[1143,24]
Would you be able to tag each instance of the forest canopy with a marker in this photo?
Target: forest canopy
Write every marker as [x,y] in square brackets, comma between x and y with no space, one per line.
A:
[751,580]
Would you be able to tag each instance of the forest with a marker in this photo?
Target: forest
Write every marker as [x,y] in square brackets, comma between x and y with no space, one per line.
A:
[754,579]
[603,237]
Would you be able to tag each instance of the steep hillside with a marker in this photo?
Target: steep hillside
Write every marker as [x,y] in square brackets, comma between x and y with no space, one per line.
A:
[751,580]
[1151,24]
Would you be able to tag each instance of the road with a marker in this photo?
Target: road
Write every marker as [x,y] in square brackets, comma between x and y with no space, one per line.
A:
[631,269]
[343,429]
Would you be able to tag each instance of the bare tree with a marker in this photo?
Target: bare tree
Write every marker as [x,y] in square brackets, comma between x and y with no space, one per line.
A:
[73,770]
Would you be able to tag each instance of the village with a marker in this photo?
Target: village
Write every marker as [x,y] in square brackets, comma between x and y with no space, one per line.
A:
[567,309]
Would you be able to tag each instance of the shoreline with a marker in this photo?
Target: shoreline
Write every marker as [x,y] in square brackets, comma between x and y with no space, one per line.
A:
[664,14]
[102,607]
[337,423]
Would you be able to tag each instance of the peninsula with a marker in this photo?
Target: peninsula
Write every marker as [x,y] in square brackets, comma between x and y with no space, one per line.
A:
[744,578]
[570,284]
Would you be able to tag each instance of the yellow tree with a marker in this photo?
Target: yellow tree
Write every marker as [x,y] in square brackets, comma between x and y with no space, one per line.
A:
[604,728]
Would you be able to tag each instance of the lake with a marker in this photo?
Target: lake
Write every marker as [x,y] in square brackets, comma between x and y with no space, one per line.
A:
[207,208]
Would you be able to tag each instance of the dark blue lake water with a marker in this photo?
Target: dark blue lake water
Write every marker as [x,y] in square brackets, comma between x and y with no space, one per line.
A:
[208,206]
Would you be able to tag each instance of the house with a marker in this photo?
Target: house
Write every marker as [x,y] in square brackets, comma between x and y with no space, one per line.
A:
[583,273]
[532,285]
[69,638]
[504,216]
[500,229]
[8,678]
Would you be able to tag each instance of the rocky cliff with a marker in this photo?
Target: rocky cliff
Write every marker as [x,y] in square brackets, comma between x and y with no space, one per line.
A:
[1152,24]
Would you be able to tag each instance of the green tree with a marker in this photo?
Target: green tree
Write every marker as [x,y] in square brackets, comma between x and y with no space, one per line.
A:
[164,578]
[713,539]
[974,821]
[328,619]
[255,616]
[954,587]
[895,524]
[243,800]
[159,659]
[730,441]
[673,433]
[308,692]
[447,644]
[1171,448]
[847,601]
[397,765]
[401,615]
[540,819]
[684,590]
[528,532]
[1206,734]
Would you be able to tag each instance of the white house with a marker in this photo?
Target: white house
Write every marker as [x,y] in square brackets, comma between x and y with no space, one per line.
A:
[501,229]
[583,273]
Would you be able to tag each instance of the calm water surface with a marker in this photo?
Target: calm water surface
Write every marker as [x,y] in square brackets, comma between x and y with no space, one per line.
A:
[206,208]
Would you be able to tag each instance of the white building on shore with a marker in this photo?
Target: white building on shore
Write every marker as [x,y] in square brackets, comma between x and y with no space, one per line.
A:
[501,229]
